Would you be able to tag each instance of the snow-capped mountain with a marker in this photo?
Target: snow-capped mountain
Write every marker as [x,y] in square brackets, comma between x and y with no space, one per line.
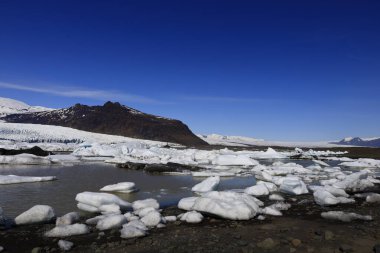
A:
[357,141]
[113,119]
[11,106]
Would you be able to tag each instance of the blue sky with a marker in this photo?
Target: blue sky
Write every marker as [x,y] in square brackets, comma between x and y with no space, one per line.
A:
[278,70]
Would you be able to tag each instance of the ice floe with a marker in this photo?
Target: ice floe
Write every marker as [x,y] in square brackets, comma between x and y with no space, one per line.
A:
[27,159]
[13,179]
[125,187]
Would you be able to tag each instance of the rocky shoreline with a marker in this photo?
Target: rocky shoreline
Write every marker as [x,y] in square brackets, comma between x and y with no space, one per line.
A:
[301,229]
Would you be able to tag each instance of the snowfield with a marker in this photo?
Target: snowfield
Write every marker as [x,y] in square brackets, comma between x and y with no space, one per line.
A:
[56,138]
[242,141]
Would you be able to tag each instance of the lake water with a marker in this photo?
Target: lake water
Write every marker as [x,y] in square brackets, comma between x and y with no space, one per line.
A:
[60,194]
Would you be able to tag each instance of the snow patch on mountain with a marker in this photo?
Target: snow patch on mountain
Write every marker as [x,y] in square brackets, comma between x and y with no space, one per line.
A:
[12,106]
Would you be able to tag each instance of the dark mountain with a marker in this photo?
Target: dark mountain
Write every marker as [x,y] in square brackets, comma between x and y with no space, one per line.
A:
[115,119]
[374,142]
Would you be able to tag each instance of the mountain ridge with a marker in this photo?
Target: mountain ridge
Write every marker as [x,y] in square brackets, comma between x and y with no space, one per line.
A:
[114,119]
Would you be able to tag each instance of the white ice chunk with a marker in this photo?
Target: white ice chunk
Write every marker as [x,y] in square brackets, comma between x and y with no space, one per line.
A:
[229,205]
[137,224]
[13,179]
[111,221]
[293,185]
[209,184]
[36,214]
[139,204]
[345,217]
[152,219]
[187,203]
[68,230]
[65,245]
[131,232]
[192,217]
[68,219]
[27,159]
[257,190]
[271,211]
[125,187]
[373,198]
[96,200]
[110,209]
[276,197]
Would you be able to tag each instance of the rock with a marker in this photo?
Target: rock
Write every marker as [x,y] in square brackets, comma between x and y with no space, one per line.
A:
[376,248]
[292,250]
[345,248]
[36,214]
[36,250]
[329,235]
[65,245]
[296,242]
[268,243]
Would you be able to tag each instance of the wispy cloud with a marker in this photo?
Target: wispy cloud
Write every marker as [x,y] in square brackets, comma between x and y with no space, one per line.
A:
[78,92]
[224,99]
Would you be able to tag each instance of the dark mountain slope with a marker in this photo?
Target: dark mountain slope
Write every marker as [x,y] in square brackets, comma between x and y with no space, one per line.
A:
[115,119]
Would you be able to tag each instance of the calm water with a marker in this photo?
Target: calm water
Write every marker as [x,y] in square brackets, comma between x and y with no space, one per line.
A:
[60,194]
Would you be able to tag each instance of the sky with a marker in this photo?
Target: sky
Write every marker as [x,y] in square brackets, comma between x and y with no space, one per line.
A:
[276,70]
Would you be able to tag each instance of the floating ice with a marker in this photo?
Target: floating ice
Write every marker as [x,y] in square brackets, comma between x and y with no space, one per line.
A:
[125,187]
[27,159]
[13,179]
[325,198]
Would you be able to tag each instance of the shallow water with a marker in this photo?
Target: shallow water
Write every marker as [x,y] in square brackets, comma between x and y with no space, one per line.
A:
[60,194]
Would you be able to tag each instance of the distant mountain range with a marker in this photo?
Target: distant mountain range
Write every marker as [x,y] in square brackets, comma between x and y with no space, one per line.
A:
[111,118]
[357,141]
